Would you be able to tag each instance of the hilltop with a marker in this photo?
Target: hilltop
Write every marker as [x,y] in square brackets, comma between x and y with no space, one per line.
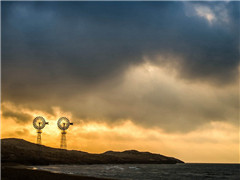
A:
[23,152]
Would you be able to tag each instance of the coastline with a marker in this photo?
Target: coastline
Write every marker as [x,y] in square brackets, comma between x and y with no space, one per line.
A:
[23,172]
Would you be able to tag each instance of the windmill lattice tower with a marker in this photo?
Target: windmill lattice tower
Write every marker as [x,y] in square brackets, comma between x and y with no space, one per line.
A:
[63,124]
[39,123]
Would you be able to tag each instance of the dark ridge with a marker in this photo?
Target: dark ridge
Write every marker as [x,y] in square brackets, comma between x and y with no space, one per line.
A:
[23,152]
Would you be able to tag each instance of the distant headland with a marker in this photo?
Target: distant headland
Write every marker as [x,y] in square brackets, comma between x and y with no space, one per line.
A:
[23,152]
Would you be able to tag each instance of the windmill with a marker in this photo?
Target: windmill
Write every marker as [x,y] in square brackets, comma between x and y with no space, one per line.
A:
[39,123]
[63,124]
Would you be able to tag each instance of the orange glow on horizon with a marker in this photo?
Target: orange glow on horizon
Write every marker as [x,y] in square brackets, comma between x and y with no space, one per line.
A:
[95,137]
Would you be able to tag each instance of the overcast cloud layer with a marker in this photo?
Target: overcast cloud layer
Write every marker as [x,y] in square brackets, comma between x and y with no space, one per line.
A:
[160,64]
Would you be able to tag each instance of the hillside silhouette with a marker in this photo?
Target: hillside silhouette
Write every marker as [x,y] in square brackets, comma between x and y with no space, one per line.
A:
[23,152]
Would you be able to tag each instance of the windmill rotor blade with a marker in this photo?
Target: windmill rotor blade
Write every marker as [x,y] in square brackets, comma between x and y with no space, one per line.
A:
[63,123]
[39,122]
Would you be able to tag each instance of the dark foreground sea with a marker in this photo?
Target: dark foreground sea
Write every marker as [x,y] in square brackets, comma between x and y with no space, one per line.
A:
[150,171]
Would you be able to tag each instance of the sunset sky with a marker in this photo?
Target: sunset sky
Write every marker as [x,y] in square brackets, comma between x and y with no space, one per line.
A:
[151,76]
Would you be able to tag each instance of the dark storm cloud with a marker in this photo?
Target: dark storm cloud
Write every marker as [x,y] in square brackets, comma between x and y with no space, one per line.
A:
[90,41]
[55,51]
[19,117]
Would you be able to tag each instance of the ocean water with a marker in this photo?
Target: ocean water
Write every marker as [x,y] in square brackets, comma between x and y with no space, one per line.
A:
[150,171]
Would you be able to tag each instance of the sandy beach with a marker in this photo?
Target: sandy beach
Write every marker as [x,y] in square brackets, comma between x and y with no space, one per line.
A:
[22,172]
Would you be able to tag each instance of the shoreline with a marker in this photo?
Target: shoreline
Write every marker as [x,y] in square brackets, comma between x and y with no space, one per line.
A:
[17,172]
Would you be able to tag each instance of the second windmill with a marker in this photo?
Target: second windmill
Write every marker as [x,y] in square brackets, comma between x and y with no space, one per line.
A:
[63,124]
